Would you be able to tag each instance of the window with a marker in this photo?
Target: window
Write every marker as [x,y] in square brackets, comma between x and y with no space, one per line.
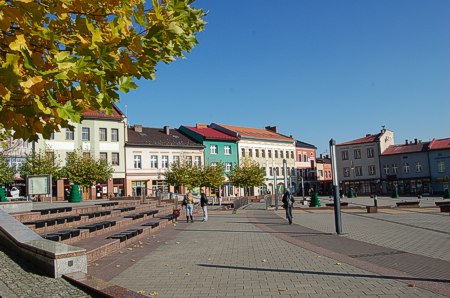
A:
[50,155]
[103,134]
[250,153]
[189,160]
[371,170]
[154,161]
[346,172]
[269,152]
[256,153]
[418,167]
[320,174]
[137,162]
[406,168]
[214,164]
[281,154]
[213,149]
[357,153]
[270,171]
[114,135]
[52,136]
[441,167]
[300,157]
[305,158]
[164,162]
[197,161]
[292,154]
[386,169]
[228,167]
[345,155]
[394,168]
[276,153]
[243,152]
[86,154]
[85,134]
[358,171]
[115,159]
[104,156]
[263,153]
[227,150]
[369,152]
[176,159]
[69,134]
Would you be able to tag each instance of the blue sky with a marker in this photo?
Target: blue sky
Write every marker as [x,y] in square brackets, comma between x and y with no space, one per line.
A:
[317,69]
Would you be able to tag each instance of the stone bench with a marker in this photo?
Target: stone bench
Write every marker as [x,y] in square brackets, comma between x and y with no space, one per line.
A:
[108,204]
[135,216]
[153,223]
[53,221]
[407,204]
[63,235]
[96,214]
[53,210]
[127,234]
[98,226]
[444,206]
[343,204]
[125,209]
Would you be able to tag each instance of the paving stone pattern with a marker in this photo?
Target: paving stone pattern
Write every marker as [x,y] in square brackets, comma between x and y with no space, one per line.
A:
[228,256]
[17,279]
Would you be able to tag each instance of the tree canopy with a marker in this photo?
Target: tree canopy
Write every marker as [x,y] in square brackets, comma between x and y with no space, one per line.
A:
[61,58]
[85,170]
[247,174]
[6,172]
[41,163]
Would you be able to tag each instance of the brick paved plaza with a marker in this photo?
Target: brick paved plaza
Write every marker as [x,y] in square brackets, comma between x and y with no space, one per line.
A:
[255,253]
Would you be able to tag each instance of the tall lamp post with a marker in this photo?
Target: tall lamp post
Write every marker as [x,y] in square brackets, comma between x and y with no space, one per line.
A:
[337,200]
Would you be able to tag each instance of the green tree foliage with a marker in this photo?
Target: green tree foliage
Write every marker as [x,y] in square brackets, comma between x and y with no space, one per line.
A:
[41,163]
[60,58]
[85,170]
[212,175]
[6,172]
[179,174]
[247,174]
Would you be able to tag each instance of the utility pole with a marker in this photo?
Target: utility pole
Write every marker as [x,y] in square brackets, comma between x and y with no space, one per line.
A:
[275,186]
[337,199]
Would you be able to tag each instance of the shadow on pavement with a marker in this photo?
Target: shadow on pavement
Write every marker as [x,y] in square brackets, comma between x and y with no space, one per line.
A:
[261,232]
[308,272]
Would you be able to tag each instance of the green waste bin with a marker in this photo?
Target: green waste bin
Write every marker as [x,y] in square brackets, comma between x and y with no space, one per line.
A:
[315,202]
[447,194]
[3,195]
[75,195]
[350,193]
[394,193]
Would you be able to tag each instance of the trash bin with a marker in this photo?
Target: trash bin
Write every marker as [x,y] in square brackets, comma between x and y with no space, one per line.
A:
[2,195]
[394,193]
[315,202]
[75,195]
[447,194]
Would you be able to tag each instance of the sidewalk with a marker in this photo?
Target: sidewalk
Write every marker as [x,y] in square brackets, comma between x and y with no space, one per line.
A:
[254,253]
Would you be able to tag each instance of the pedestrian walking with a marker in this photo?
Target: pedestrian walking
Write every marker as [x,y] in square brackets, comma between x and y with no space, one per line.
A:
[288,202]
[189,203]
[204,205]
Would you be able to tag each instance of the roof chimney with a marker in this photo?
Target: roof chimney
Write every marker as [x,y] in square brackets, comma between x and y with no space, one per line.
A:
[368,135]
[167,130]
[138,128]
[200,125]
[415,141]
[271,128]
[406,142]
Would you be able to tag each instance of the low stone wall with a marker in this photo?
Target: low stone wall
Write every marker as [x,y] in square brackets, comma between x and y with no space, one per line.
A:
[52,258]
[12,207]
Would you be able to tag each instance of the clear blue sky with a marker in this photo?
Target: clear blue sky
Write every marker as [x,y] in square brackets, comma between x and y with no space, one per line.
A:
[316,69]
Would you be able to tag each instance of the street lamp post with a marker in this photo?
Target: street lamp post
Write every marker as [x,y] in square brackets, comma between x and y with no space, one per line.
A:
[275,185]
[337,200]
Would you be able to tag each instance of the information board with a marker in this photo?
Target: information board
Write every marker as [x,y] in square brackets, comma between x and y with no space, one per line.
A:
[39,184]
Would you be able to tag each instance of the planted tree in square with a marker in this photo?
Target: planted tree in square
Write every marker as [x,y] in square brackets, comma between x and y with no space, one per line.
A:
[247,174]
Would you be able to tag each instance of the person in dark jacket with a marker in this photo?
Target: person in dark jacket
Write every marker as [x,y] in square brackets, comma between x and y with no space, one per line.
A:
[288,202]
[204,205]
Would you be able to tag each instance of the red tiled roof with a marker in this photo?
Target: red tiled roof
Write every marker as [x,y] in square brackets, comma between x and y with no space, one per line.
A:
[211,133]
[440,144]
[256,133]
[406,148]
[117,114]
[366,139]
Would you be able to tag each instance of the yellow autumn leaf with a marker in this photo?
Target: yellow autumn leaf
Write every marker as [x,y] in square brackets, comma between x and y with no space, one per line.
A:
[31,81]
[19,43]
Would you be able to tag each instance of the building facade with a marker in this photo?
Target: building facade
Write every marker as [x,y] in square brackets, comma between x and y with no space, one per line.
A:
[324,175]
[405,168]
[439,160]
[269,149]
[305,167]
[358,162]
[149,154]
[219,148]
[99,135]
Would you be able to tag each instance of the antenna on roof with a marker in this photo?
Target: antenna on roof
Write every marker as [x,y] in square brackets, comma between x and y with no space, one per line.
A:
[383,126]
